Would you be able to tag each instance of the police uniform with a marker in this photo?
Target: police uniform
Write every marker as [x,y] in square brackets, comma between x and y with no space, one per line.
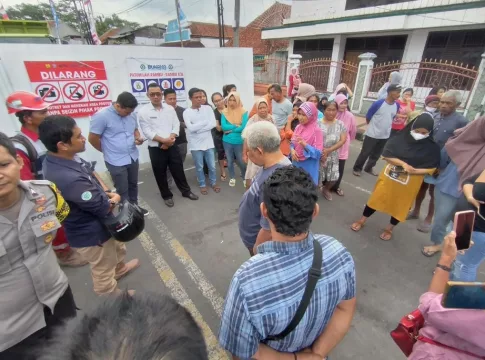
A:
[34,291]
[84,226]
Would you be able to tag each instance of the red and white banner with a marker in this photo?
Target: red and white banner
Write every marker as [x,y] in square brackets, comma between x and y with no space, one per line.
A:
[74,88]
[4,13]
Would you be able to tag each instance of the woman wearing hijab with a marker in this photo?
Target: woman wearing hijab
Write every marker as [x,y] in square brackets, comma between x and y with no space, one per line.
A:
[233,121]
[439,91]
[348,119]
[286,133]
[394,79]
[268,99]
[462,157]
[262,115]
[304,92]
[307,141]
[314,98]
[339,89]
[410,155]
[334,137]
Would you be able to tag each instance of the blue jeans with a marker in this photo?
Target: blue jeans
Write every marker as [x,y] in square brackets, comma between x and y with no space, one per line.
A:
[466,266]
[199,157]
[231,151]
[444,206]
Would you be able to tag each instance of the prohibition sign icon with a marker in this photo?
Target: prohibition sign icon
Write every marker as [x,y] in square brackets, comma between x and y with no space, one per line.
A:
[74,91]
[48,92]
[98,90]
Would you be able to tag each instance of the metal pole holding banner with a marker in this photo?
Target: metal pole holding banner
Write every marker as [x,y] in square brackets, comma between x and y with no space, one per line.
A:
[237,17]
[56,21]
[177,6]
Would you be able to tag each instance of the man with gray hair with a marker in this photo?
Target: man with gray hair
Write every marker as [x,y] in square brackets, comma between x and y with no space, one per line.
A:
[263,147]
[447,120]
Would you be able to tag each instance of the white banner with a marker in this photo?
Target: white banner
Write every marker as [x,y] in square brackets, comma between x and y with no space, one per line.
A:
[168,73]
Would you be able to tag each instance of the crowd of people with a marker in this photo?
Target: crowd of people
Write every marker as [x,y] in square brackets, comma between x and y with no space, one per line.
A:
[296,296]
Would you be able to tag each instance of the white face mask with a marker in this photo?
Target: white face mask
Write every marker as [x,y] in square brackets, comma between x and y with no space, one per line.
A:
[430,109]
[418,136]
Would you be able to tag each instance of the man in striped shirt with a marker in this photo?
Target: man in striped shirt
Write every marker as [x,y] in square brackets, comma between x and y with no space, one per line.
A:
[267,289]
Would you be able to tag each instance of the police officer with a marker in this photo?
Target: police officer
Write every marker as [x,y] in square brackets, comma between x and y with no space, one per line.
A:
[31,110]
[89,203]
[35,296]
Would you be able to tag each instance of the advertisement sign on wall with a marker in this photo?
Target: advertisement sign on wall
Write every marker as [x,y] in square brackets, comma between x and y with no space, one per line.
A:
[167,73]
[74,88]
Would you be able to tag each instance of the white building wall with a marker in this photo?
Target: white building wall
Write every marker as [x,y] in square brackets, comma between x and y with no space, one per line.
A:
[209,71]
[148,41]
[210,42]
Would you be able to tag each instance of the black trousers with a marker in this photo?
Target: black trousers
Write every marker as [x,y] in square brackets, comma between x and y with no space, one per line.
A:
[341,168]
[371,152]
[168,159]
[30,347]
[368,212]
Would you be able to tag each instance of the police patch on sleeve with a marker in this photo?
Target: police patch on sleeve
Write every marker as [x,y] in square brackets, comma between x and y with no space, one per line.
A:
[87,195]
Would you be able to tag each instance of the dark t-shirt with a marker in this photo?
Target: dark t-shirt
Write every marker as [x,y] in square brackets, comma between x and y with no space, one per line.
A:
[479,194]
[215,132]
[182,138]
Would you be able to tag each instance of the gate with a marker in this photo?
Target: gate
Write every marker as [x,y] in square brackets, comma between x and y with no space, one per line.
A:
[270,70]
[425,75]
[317,72]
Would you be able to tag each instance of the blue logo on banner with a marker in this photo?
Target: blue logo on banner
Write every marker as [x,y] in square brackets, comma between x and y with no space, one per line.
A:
[166,83]
[138,85]
[152,81]
[178,84]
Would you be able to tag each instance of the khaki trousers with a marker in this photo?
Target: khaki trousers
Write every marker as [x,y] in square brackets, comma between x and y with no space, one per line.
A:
[106,263]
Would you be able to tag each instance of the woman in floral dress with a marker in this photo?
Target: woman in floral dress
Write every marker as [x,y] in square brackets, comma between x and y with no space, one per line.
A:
[334,136]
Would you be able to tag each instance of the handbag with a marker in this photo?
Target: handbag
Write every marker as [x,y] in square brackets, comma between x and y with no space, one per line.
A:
[313,275]
[406,334]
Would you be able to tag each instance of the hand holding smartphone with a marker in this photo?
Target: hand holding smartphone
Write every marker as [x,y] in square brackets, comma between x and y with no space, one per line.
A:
[463,227]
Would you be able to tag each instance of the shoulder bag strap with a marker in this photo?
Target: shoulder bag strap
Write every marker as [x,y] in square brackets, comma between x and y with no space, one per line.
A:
[313,276]
[31,151]
[432,342]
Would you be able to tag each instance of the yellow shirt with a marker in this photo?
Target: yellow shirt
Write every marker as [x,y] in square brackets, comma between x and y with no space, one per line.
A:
[395,192]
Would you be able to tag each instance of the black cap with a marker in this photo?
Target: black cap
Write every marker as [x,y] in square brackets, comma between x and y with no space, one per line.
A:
[394,87]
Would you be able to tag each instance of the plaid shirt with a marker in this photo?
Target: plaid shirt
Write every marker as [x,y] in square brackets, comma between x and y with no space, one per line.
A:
[267,289]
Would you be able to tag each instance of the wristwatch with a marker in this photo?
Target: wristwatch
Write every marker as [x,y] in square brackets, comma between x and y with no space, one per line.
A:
[443,267]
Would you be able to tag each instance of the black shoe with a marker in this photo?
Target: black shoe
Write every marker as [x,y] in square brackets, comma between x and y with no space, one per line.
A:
[191,196]
[144,211]
[169,202]
[372,172]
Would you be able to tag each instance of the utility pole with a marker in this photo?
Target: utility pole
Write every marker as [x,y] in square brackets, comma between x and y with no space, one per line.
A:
[237,16]
[178,22]
[219,25]
[222,25]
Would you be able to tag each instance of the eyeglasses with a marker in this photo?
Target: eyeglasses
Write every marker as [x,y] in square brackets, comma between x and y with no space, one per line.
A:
[155,94]
[218,101]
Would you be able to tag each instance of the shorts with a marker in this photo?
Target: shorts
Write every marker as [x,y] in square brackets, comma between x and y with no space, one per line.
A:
[429,179]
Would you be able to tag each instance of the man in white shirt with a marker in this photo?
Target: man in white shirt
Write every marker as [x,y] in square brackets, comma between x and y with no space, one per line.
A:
[161,127]
[200,120]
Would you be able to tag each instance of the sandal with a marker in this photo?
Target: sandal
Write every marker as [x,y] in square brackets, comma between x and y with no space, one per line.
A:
[356,226]
[386,235]
[339,192]
[203,190]
[216,188]
[223,177]
[429,253]
[327,194]
[411,216]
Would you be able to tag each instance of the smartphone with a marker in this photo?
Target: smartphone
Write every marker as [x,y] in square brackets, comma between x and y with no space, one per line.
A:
[464,295]
[463,227]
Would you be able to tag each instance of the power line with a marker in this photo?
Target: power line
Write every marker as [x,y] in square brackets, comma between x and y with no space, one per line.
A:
[134,7]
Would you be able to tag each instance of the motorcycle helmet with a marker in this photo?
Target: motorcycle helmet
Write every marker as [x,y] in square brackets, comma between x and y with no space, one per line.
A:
[125,222]
[24,100]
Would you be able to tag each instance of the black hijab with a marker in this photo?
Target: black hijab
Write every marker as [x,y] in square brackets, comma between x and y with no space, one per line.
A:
[420,154]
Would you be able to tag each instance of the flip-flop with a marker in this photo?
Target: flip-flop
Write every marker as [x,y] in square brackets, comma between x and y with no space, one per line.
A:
[326,194]
[411,216]
[429,253]
[203,190]
[339,192]
[386,233]
[357,226]
[216,188]
[424,227]
[223,178]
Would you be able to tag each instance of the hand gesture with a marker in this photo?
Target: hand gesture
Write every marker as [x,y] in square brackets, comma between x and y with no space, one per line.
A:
[114,198]
[164,147]
[294,155]
[449,247]
[301,141]
[139,141]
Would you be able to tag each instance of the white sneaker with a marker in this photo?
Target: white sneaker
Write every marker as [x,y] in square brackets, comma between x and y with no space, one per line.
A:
[232,182]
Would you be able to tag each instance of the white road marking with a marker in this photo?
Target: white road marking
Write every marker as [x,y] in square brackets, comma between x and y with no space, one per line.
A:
[189,168]
[204,285]
[357,187]
[180,295]
[140,182]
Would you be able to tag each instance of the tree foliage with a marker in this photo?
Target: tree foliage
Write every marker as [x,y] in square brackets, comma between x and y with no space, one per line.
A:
[66,13]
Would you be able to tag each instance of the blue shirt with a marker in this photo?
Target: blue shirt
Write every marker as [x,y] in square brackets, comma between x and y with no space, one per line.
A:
[234,137]
[267,289]
[117,136]
[449,178]
[87,201]
[445,126]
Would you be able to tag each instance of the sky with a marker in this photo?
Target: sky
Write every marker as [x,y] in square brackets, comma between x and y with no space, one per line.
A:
[161,11]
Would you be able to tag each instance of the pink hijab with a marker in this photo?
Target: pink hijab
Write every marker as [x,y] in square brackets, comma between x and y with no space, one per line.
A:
[350,124]
[310,132]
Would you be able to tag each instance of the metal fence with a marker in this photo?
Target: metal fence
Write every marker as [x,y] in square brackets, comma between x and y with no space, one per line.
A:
[318,71]
[270,71]
[425,75]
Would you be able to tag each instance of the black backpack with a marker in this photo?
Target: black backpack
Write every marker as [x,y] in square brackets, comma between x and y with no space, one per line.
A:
[31,151]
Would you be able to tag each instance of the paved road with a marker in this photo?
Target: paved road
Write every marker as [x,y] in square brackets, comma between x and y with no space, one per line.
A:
[192,250]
